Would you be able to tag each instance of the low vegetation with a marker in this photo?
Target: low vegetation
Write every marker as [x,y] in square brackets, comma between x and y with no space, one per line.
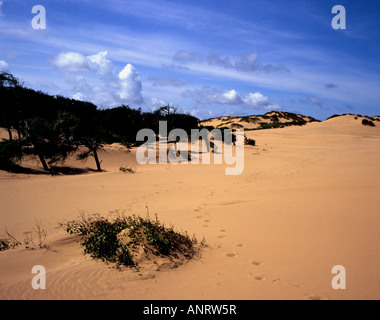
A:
[249,141]
[127,170]
[269,120]
[367,122]
[123,240]
[9,241]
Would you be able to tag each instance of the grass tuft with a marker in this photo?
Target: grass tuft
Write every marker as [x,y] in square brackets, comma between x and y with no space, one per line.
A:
[8,241]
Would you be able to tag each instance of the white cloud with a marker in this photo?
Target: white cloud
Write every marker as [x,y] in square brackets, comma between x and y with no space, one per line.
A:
[109,88]
[155,103]
[312,100]
[187,57]
[247,63]
[168,81]
[131,88]
[77,62]
[4,66]
[72,62]
[1,11]
[100,64]
[208,95]
[79,96]
[232,97]
[257,100]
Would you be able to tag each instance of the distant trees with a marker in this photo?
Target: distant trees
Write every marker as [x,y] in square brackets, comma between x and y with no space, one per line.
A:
[120,124]
[176,120]
[52,128]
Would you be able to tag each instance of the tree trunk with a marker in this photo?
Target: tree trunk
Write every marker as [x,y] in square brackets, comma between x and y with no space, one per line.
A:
[96,159]
[43,162]
[10,134]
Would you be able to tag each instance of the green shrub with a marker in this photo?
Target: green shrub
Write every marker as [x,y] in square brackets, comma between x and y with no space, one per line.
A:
[101,239]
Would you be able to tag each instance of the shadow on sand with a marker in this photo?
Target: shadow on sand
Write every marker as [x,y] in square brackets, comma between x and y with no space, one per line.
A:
[54,171]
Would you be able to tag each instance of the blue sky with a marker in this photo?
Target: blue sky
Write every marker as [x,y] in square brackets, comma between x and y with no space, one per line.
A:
[208,58]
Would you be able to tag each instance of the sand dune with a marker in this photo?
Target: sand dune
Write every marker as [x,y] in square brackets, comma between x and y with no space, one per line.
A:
[273,118]
[308,200]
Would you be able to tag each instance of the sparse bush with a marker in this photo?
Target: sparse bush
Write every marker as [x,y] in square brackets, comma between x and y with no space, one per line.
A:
[4,244]
[250,119]
[274,118]
[249,142]
[41,234]
[237,125]
[367,122]
[101,239]
[8,241]
[127,170]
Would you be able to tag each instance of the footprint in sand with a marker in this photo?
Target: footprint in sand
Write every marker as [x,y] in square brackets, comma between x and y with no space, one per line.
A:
[146,276]
[199,217]
[257,263]
[221,236]
[206,220]
[257,277]
[285,284]
[240,245]
[231,255]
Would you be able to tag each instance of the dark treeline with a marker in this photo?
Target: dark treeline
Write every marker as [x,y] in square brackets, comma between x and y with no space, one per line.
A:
[53,127]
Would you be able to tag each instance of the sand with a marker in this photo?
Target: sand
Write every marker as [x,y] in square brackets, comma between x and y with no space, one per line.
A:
[308,200]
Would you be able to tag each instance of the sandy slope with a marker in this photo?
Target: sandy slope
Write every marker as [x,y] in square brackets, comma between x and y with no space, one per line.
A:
[308,200]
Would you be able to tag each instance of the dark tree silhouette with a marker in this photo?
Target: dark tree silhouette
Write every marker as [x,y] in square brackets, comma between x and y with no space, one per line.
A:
[10,113]
[10,153]
[47,142]
[53,127]
[92,150]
